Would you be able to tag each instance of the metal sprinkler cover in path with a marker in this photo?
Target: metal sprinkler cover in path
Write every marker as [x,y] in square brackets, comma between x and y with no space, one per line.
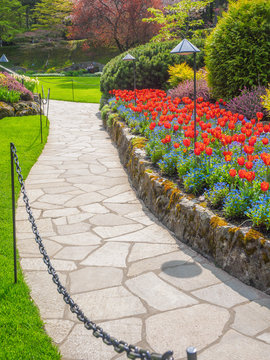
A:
[3,58]
[185,48]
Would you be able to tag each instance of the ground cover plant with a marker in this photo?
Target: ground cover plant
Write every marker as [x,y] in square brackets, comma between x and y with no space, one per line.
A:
[230,161]
[85,89]
[22,334]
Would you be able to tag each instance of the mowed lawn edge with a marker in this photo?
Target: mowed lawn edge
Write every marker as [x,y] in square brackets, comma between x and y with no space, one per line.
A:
[22,334]
[79,89]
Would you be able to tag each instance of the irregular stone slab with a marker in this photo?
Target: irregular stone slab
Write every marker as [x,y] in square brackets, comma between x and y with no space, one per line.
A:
[45,294]
[109,220]
[95,208]
[227,294]
[114,173]
[78,239]
[110,254]
[85,199]
[108,304]
[74,252]
[123,209]
[56,199]
[160,295]
[145,250]
[158,262]
[94,278]
[60,212]
[60,221]
[115,190]
[151,234]
[30,247]
[21,213]
[122,198]
[189,276]
[38,264]
[58,329]
[44,227]
[34,194]
[252,318]
[72,228]
[83,171]
[81,344]
[75,219]
[97,169]
[60,190]
[198,325]
[97,180]
[44,206]
[91,187]
[140,217]
[110,231]
[265,337]
[234,346]
[110,164]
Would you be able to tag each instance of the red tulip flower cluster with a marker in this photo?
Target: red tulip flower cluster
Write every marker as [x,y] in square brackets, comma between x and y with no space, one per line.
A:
[218,131]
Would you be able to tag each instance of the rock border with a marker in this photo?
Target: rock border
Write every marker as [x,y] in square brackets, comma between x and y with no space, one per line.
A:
[242,252]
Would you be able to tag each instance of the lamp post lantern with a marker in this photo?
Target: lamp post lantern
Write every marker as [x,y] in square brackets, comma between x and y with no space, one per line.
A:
[129,57]
[3,59]
[186,48]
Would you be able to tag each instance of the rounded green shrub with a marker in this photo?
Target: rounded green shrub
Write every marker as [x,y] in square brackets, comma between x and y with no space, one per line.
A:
[238,49]
[152,62]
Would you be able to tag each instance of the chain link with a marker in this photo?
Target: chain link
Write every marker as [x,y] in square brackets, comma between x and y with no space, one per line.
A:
[133,352]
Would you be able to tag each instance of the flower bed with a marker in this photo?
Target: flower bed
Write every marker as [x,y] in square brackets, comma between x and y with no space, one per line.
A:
[242,252]
[229,163]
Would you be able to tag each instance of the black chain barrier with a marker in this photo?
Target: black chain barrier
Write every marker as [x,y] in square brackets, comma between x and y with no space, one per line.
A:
[133,352]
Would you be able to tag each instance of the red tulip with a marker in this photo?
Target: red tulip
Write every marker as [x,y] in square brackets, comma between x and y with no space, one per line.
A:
[264,186]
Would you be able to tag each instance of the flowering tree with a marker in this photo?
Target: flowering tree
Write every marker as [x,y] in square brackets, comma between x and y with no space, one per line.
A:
[113,21]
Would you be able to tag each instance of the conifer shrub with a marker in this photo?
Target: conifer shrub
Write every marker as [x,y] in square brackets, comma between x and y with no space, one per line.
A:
[152,63]
[238,49]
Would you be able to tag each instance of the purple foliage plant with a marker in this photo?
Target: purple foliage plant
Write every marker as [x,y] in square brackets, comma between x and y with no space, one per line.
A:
[186,88]
[248,103]
[12,84]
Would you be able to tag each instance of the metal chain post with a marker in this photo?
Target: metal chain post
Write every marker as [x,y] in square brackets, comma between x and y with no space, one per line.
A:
[191,353]
[132,352]
[13,212]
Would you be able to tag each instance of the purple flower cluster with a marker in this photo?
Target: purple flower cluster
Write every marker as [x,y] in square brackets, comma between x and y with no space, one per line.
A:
[248,103]
[186,89]
[12,84]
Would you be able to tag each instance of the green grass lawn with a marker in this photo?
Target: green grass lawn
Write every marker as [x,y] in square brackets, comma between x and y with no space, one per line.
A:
[22,336]
[85,89]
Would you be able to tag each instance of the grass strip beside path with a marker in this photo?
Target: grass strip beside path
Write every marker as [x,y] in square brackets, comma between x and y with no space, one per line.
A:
[85,89]
[22,336]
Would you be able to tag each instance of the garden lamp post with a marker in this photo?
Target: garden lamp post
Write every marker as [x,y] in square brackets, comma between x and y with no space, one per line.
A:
[3,59]
[129,57]
[186,48]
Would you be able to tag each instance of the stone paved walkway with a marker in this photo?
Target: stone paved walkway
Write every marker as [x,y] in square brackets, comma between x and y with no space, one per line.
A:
[127,272]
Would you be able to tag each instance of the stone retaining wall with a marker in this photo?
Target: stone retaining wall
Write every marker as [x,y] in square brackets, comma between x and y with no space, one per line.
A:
[242,252]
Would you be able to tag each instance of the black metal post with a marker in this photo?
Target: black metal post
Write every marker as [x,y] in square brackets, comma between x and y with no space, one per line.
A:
[195,98]
[40,115]
[134,74]
[13,213]
[72,89]
[191,353]
[48,104]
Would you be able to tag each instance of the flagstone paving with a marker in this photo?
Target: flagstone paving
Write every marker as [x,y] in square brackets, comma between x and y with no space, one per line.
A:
[126,271]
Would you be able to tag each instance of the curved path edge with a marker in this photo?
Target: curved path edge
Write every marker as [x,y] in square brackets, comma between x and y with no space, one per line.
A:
[126,271]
